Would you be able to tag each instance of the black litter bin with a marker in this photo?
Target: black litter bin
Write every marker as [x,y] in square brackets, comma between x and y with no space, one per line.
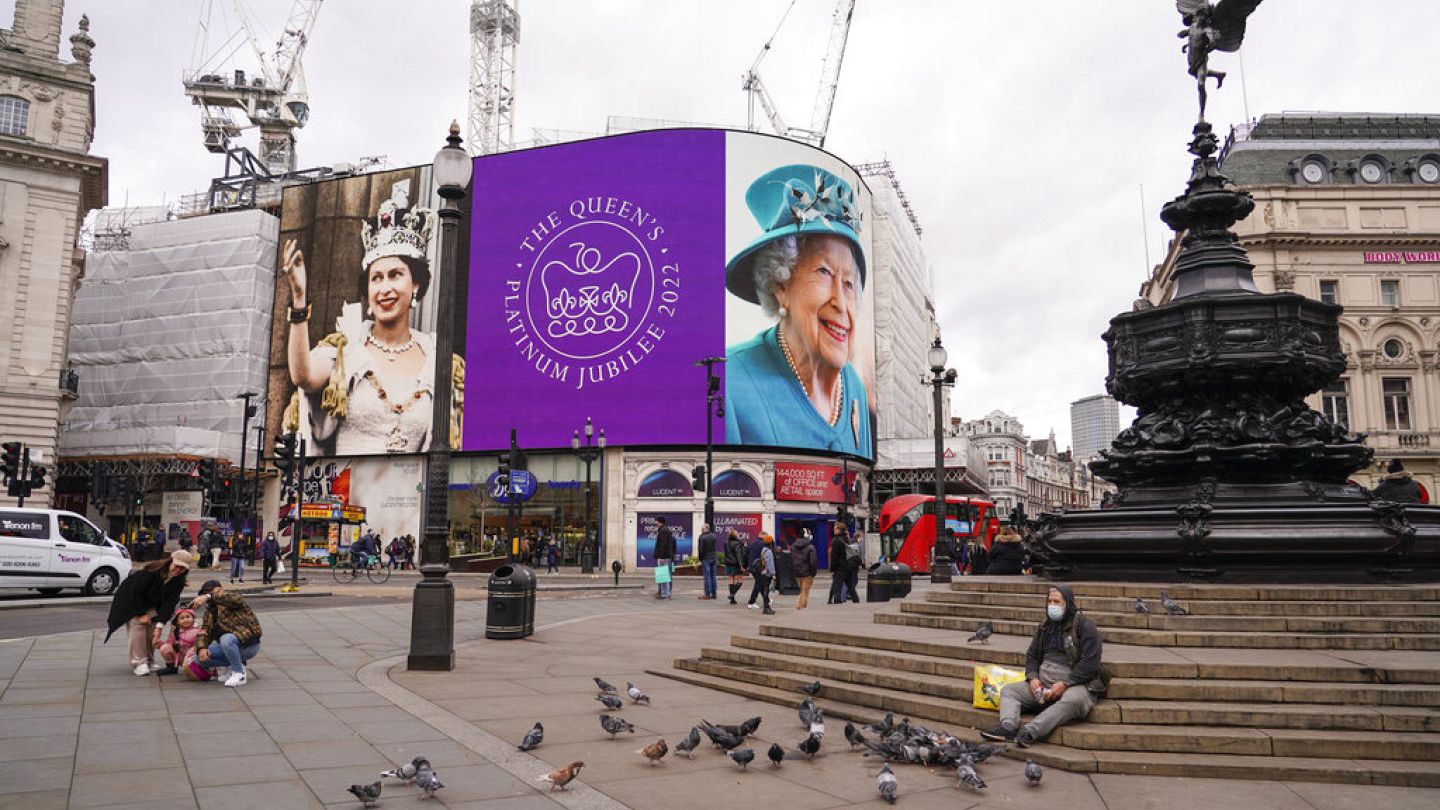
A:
[877,583]
[900,575]
[510,612]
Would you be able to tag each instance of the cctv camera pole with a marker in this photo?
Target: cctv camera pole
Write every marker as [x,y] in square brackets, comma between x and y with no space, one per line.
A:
[712,398]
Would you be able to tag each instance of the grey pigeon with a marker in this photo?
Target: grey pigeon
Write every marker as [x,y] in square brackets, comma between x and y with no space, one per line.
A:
[428,782]
[368,795]
[810,746]
[853,735]
[1171,606]
[610,702]
[886,784]
[635,694]
[532,738]
[1141,607]
[1033,773]
[807,712]
[687,745]
[744,729]
[982,634]
[811,688]
[605,688]
[968,777]
[776,754]
[407,771]
[749,727]
[615,725]
[720,737]
[743,756]
[817,723]
[884,726]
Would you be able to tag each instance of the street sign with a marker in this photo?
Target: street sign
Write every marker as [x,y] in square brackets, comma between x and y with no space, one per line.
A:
[523,486]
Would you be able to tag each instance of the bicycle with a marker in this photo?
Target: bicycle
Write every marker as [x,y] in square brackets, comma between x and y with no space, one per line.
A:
[347,572]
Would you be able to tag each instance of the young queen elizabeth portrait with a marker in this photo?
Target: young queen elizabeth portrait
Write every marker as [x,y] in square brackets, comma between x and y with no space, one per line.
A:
[793,384]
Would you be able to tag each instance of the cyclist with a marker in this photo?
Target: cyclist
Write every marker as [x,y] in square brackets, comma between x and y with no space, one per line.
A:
[363,549]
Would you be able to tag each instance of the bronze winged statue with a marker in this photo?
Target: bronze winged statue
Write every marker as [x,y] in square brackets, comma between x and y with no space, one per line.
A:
[1209,28]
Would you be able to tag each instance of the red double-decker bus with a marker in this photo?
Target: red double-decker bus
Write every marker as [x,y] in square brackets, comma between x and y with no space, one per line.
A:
[907,526]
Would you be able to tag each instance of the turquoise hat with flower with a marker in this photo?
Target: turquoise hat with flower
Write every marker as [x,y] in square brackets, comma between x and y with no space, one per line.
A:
[790,201]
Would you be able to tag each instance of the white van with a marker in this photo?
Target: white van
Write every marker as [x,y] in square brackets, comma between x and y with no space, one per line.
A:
[50,549]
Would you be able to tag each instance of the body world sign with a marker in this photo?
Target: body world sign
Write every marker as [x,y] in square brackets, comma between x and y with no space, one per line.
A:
[1402,257]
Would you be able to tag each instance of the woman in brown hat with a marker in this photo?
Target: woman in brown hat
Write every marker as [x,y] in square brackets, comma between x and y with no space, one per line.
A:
[145,599]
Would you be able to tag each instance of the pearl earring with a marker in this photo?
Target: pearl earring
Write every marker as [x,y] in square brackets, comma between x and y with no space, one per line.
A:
[784,313]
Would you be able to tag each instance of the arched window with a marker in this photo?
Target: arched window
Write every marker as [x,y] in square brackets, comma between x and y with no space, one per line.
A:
[14,115]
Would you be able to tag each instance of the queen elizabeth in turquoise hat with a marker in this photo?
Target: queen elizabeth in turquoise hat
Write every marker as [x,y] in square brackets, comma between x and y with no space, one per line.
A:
[793,385]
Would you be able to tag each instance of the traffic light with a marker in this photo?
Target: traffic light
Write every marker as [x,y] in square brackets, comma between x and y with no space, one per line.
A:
[285,447]
[502,480]
[37,477]
[205,469]
[226,490]
[10,463]
[697,478]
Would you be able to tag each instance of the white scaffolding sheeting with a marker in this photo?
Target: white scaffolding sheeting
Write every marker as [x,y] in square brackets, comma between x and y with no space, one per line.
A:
[167,334]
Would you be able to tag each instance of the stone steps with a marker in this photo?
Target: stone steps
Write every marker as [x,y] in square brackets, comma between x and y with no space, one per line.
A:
[1184,592]
[1257,691]
[1203,607]
[1413,773]
[1035,612]
[914,614]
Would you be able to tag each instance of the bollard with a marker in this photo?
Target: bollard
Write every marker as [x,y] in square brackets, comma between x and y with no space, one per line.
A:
[617,568]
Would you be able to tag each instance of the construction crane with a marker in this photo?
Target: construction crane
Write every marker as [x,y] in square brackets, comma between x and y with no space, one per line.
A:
[275,101]
[494,37]
[829,81]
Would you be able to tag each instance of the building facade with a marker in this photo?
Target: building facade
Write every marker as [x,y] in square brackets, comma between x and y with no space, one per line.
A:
[1000,440]
[48,181]
[1347,210]
[1094,423]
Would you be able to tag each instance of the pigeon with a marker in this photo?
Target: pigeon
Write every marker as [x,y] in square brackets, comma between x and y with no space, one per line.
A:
[886,784]
[807,712]
[853,736]
[720,737]
[1141,608]
[655,751]
[810,746]
[428,782]
[687,745]
[610,702]
[811,689]
[369,795]
[1171,606]
[749,727]
[968,777]
[605,688]
[884,726]
[776,754]
[745,729]
[615,725]
[743,757]
[532,738]
[817,723]
[635,694]
[559,779]
[982,634]
[1033,773]
[407,771]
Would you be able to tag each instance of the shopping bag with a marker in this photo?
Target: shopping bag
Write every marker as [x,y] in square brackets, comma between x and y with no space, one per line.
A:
[279,566]
[989,680]
[662,573]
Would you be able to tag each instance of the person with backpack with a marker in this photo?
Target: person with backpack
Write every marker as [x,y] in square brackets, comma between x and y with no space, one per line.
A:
[764,571]
[734,564]
[804,562]
[854,561]
[838,574]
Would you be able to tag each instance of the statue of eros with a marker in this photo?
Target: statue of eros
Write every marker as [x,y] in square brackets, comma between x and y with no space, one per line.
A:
[1208,28]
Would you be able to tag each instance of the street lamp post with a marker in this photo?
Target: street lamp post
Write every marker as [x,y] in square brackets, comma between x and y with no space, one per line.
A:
[714,407]
[588,453]
[432,617]
[939,378]
[237,503]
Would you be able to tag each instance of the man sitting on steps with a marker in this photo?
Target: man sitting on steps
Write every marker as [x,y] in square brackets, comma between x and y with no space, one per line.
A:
[1062,671]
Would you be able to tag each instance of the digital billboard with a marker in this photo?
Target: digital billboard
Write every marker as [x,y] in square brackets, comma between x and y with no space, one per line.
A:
[601,271]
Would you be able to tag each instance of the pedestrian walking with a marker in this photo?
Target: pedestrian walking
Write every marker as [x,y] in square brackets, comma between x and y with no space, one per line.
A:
[217,545]
[157,547]
[237,557]
[664,555]
[734,563]
[838,575]
[269,557]
[804,562]
[184,540]
[230,634]
[552,557]
[854,561]
[409,561]
[707,561]
[146,599]
[764,571]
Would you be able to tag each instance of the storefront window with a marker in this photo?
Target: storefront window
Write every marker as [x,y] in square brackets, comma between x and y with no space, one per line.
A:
[556,509]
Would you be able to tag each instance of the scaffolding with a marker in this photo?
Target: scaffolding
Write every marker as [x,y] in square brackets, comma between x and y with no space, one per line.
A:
[494,37]
[882,168]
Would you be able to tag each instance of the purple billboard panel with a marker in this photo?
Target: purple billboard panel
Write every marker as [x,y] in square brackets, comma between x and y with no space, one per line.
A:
[646,526]
[665,484]
[596,282]
[736,484]
[745,524]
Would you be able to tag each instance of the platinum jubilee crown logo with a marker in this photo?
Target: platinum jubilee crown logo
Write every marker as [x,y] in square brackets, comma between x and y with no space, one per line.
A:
[592,291]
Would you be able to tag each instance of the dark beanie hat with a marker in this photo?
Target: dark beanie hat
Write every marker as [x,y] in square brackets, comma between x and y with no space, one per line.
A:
[1395,466]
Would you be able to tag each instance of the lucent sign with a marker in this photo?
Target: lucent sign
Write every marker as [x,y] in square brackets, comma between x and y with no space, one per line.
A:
[1402,257]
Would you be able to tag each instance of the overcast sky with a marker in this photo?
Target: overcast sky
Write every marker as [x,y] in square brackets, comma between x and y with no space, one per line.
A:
[1022,130]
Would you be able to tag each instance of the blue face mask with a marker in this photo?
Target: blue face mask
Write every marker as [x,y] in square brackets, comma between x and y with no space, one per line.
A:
[1055,612]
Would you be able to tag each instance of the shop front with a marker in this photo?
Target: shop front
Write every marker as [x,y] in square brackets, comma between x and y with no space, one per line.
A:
[549,502]
[322,523]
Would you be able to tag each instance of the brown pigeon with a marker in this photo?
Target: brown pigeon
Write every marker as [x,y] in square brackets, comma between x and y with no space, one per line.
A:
[561,778]
[655,751]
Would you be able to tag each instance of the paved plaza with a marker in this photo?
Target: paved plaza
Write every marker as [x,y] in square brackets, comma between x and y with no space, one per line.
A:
[333,705]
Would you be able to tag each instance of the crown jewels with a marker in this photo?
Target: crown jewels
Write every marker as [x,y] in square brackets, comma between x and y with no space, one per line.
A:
[399,230]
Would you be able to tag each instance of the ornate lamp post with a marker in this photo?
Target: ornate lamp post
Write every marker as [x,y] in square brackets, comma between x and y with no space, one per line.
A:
[939,378]
[588,453]
[432,617]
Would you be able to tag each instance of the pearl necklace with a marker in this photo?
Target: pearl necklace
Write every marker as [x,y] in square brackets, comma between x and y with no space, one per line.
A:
[836,400]
[393,352]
